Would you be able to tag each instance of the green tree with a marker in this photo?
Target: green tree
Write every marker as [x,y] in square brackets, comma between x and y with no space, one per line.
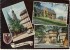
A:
[37,9]
[37,4]
[60,17]
[40,32]
[64,29]
[15,26]
[56,28]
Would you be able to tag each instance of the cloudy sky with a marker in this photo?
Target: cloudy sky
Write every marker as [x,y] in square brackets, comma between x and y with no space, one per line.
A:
[60,9]
[18,7]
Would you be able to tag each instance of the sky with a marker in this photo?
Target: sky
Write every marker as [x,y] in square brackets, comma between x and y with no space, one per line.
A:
[60,10]
[18,7]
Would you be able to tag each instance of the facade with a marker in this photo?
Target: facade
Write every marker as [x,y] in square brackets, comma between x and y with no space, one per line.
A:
[25,20]
[49,13]
[45,12]
[51,37]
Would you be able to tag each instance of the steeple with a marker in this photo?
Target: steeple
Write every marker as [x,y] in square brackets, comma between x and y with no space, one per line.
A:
[14,15]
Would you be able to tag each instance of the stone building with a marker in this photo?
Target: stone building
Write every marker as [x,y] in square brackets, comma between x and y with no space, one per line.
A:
[25,20]
[49,13]
[45,12]
[50,37]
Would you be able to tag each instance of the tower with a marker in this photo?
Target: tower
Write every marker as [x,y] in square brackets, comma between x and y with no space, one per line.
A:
[14,15]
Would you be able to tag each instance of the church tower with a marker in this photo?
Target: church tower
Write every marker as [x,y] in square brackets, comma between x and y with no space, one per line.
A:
[14,15]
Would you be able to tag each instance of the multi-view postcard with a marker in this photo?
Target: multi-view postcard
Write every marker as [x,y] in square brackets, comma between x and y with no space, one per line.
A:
[50,13]
[50,36]
[49,26]
[18,21]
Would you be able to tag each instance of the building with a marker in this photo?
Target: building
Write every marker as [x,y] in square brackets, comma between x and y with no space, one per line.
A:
[49,13]
[25,20]
[45,12]
[14,15]
[51,37]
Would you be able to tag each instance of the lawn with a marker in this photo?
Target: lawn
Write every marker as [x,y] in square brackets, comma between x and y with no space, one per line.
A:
[45,20]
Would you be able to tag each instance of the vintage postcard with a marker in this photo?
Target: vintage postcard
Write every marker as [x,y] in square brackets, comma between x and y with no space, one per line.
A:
[50,13]
[18,21]
[51,36]
[69,34]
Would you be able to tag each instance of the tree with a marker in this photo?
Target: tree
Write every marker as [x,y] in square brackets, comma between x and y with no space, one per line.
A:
[56,28]
[15,26]
[35,11]
[37,8]
[64,29]
[60,17]
[40,32]
[37,4]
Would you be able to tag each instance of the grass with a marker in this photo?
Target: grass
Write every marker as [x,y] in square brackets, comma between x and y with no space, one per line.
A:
[54,22]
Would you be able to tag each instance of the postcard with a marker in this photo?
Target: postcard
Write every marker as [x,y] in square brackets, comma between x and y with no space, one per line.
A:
[51,36]
[50,13]
[18,21]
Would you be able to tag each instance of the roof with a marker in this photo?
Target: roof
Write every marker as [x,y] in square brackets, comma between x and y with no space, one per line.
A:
[51,11]
[23,12]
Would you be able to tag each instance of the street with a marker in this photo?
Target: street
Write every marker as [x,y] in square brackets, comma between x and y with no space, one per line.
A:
[47,46]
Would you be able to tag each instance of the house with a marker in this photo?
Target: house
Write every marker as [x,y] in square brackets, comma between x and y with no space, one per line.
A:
[65,20]
[44,11]
[49,13]
[50,37]
[62,37]
[25,20]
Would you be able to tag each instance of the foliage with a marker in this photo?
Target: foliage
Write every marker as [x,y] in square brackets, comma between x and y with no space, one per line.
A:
[39,30]
[37,4]
[64,29]
[37,11]
[56,28]
[60,17]
[15,26]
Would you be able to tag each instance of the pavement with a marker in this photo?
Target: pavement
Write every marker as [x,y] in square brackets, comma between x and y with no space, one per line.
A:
[47,46]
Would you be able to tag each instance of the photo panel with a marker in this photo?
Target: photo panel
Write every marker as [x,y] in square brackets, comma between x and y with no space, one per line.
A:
[18,21]
[50,13]
[49,36]
[69,34]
